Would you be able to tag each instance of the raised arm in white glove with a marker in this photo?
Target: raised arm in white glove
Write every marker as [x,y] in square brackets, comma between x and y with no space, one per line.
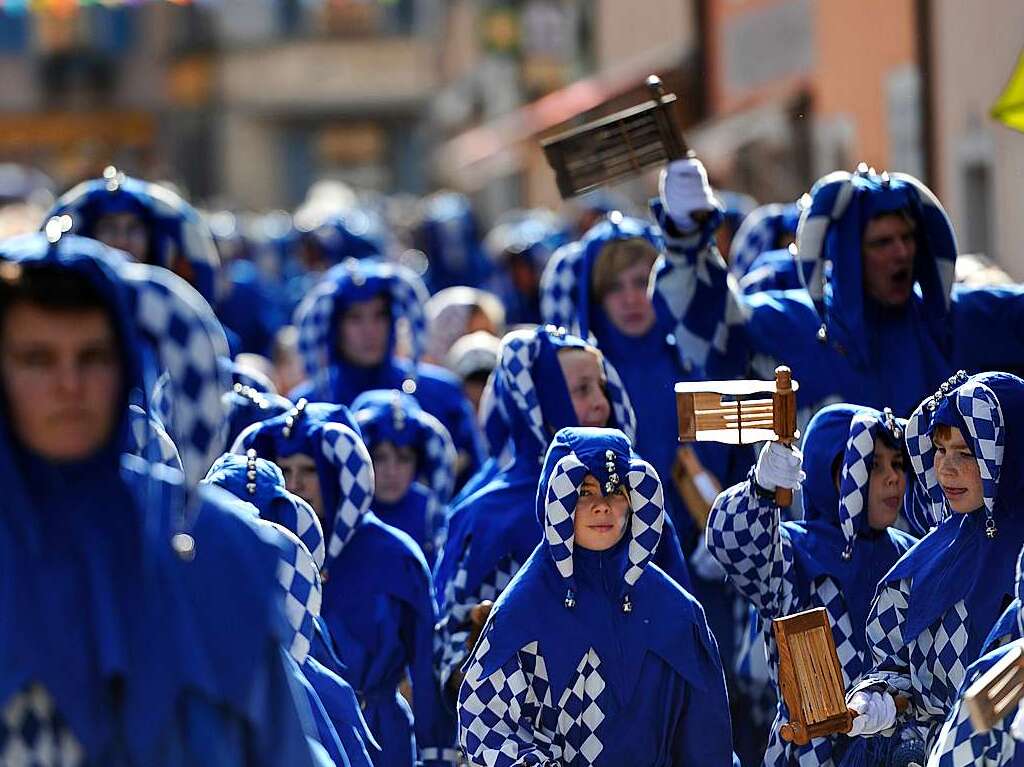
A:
[876,711]
[778,466]
[684,190]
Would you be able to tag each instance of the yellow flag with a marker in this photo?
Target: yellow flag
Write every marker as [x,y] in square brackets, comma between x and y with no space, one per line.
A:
[1009,107]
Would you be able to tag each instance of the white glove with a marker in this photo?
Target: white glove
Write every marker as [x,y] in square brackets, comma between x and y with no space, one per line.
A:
[876,712]
[684,190]
[778,466]
[1017,727]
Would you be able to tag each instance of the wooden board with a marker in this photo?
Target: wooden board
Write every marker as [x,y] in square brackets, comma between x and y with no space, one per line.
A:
[996,693]
[617,146]
[810,677]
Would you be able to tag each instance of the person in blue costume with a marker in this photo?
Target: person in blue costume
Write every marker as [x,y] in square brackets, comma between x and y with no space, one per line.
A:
[170,663]
[767,228]
[593,655]
[960,743]
[347,337]
[147,221]
[879,323]
[413,465]
[934,609]
[448,234]
[520,246]
[855,479]
[599,290]
[301,541]
[378,603]
[546,380]
[247,405]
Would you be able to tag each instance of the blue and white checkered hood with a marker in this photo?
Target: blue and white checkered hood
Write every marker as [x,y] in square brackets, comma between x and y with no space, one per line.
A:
[565,283]
[515,386]
[396,417]
[608,455]
[176,228]
[261,483]
[858,459]
[348,282]
[181,341]
[760,231]
[829,249]
[299,577]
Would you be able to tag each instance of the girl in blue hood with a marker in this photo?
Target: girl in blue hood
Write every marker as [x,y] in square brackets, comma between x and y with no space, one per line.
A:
[959,743]
[546,380]
[123,642]
[378,604]
[347,335]
[413,465]
[593,655]
[934,609]
[855,482]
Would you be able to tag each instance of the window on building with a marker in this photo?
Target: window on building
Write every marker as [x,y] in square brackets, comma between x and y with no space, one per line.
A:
[978,209]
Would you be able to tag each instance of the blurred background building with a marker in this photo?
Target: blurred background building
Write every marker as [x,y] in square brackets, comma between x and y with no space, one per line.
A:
[246,103]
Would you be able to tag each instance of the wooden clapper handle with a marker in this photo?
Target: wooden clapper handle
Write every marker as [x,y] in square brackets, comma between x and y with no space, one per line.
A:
[794,732]
[784,410]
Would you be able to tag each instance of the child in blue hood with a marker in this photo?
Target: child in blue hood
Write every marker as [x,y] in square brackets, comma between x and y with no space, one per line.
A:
[147,221]
[546,379]
[934,609]
[593,655]
[378,603]
[959,743]
[347,335]
[855,482]
[413,465]
[879,321]
[123,642]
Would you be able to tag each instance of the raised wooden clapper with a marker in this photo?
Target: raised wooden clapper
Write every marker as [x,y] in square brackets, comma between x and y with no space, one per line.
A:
[747,416]
[617,146]
[997,692]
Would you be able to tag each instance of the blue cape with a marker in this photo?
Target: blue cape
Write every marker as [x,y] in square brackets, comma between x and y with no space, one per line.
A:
[957,560]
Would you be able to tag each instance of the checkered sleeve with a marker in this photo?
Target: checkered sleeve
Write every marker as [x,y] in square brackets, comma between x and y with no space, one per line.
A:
[890,655]
[693,285]
[505,717]
[453,628]
[745,535]
[960,745]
